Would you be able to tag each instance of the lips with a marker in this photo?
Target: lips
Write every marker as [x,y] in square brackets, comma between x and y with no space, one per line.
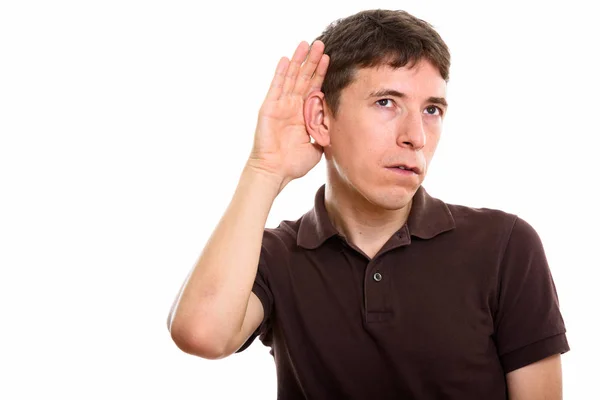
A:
[406,167]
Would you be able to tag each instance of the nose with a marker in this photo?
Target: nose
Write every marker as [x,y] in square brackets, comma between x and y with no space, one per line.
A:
[411,132]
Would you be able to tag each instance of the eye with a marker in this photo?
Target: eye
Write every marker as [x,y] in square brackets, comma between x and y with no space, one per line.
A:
[431,110]
[386,103]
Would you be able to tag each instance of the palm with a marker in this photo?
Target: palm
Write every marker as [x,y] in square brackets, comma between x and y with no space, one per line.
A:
[282,145]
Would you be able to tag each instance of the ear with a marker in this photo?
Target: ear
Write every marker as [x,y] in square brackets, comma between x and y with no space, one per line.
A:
[316,118]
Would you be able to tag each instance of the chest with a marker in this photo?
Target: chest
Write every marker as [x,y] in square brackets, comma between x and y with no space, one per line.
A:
[408,304]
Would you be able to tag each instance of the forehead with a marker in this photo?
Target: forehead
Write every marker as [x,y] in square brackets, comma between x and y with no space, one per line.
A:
[422,79]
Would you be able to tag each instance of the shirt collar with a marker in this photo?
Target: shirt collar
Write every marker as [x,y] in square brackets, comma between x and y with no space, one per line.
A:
[428,218]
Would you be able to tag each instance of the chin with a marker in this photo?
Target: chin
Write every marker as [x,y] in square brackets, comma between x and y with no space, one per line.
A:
[388,197]
[374,189]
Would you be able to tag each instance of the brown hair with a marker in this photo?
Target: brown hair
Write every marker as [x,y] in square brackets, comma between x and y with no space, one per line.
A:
[375,37]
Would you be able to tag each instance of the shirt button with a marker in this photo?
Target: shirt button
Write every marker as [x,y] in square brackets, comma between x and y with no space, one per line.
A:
[377,276]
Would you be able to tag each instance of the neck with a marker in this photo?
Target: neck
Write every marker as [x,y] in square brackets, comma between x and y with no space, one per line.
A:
[361,222]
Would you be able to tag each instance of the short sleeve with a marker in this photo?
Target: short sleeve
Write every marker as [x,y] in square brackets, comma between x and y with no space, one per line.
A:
[528,323]
[262,291]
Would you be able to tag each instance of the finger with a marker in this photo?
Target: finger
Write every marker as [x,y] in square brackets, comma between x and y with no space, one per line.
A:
[294,67]
[319,75]
[277,82]
[309,67]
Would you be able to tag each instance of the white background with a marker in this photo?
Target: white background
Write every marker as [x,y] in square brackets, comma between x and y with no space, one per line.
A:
[124,127]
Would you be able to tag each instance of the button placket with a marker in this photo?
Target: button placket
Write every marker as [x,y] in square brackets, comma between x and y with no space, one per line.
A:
[376,293]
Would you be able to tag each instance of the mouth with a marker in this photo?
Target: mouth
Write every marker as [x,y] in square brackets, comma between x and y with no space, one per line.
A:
[405,169]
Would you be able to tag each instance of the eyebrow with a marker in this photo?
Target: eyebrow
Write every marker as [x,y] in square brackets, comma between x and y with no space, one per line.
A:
[394,93]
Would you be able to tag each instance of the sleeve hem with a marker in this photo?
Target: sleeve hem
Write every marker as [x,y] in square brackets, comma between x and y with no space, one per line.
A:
[264,299]
[536,351]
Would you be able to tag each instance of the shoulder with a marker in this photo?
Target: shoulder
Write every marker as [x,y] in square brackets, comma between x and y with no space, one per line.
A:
[494,228]
[479,224]
[481,217]
[489,224]
[283,238]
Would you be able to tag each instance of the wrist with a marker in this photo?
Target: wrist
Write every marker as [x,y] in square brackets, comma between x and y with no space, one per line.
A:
[257,175]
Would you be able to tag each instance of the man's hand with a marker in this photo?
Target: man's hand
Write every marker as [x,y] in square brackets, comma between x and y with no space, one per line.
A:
[282,146]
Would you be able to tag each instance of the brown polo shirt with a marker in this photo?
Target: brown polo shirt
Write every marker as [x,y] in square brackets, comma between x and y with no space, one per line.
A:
[456,299]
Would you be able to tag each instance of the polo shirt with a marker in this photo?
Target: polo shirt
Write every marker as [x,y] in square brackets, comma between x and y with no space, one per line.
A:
[454,300]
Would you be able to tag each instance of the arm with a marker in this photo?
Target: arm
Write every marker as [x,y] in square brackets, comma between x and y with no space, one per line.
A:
[212,304]
[215,311]
[541,380]
[528,322]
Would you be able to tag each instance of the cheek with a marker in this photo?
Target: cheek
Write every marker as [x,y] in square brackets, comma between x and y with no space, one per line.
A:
[347,138]
[359,141]
[352,153]
[430,147]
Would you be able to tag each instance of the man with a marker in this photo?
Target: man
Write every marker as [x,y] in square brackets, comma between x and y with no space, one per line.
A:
[380,291]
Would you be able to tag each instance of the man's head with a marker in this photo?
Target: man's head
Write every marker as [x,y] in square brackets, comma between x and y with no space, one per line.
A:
[382,104]
[378,37]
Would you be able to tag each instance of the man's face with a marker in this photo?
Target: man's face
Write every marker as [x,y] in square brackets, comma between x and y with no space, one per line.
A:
[387,117]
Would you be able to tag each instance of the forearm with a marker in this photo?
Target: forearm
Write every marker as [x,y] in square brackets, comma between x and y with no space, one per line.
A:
[213,301]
